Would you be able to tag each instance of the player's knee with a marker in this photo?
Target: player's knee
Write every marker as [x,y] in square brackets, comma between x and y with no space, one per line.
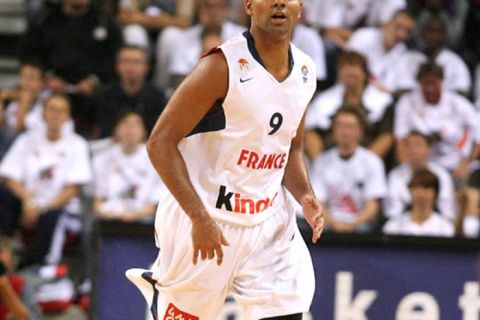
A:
[297,316]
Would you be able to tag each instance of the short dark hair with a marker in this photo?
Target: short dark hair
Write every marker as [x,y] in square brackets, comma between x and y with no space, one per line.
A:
[353,58]
[428,138]
[125,114]
[430,68]
[133,47]
[357,112]
[425,178]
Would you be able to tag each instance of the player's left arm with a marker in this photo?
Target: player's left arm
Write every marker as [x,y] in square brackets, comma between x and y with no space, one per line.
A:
[296,180]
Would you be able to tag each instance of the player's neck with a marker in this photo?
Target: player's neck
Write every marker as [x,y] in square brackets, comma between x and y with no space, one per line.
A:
[273,50]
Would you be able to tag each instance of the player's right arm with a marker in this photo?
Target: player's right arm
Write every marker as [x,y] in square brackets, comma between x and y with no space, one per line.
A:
[198,93]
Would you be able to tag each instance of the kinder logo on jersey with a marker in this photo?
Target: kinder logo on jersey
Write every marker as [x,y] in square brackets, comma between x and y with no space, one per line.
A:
[237,203]
[253,160]
[173,313]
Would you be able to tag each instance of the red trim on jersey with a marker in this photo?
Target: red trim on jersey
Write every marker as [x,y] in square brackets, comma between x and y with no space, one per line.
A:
[213,50]
[174,313]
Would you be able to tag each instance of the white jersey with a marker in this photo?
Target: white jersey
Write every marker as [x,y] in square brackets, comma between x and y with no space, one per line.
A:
[348,183]
[454,120]
[236,157]
[125,182]
[435,226]
[45,167]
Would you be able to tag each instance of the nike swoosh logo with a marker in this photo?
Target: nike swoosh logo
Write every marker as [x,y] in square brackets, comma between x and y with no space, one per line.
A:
[245,80]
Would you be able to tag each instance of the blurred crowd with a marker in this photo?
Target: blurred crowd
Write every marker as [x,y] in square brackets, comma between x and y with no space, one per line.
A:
[392,136]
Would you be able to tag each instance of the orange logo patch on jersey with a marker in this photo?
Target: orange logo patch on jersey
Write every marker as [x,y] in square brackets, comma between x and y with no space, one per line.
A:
[173,313]
[244,64]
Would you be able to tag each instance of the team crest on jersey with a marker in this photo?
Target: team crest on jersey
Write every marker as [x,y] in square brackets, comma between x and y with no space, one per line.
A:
[244,65]
[304,73]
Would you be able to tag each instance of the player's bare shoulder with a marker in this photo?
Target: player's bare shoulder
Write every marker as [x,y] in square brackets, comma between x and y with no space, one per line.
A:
[211,73]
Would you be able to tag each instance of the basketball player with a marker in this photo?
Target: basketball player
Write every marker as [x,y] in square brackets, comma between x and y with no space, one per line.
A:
[227,146]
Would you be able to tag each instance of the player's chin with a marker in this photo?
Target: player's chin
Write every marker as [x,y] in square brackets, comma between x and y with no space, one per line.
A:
[282,27]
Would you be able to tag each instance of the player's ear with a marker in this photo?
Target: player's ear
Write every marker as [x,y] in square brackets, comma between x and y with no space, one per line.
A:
[248,7]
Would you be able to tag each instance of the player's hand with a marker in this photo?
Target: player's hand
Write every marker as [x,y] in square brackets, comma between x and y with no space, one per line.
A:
[207,239]
[313,213]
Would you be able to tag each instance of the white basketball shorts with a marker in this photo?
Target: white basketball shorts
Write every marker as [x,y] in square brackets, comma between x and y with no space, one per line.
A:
[267,269]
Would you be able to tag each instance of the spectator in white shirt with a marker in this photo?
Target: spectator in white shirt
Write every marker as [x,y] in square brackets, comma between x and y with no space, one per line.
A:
[210,37]
[348,179]
[126,186]
[353,89]
[381,11]
[421,219]
[383,47]
[138,17]
[335,19]
[417,153]
[43,172]
[432,48]
[449,118]
[179,50]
